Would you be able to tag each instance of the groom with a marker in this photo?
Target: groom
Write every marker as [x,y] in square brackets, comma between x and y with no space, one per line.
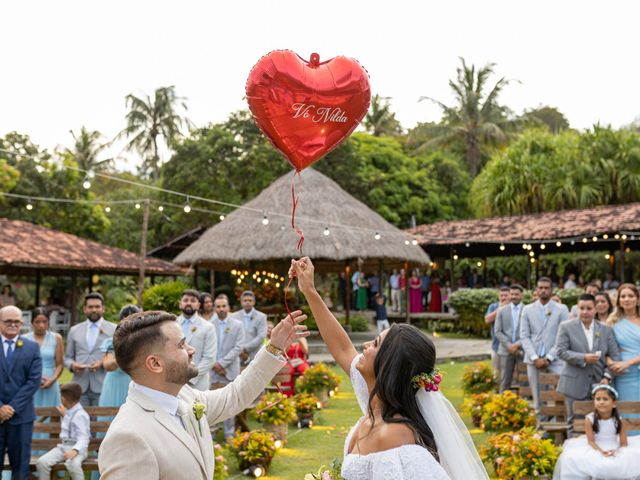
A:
[162,431]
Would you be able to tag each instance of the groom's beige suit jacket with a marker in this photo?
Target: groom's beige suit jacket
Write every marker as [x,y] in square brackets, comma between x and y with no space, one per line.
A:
[144,442]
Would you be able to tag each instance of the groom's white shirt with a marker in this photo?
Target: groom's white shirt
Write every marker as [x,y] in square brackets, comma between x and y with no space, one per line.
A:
[145,441]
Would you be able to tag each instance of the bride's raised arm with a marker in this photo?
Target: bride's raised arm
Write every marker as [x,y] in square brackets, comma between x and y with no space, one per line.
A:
[332,333]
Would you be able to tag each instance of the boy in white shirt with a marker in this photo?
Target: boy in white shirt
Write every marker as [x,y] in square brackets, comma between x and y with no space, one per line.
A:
[75,434]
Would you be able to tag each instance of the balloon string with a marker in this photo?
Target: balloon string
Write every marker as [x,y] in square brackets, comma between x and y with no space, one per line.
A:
[294,201]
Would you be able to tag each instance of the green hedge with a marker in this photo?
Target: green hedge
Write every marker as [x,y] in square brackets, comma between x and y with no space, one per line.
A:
[569,296]
[164,296]
[359,323]
[471,305]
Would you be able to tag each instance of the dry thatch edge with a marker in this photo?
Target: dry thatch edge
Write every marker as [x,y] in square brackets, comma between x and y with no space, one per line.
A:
[242,239]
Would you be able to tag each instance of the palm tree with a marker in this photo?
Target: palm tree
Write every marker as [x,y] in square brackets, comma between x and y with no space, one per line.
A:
[477,118]
[86,150]
[380,120]
[149,119]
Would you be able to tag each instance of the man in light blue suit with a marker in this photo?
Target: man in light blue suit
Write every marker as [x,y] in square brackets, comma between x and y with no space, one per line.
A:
[83,356]
[20,377]
[538,332]
[254,323]
[201,335]
[507,331]
[226,368]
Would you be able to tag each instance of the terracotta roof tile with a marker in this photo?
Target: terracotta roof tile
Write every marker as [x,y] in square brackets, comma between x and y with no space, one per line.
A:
[24,244]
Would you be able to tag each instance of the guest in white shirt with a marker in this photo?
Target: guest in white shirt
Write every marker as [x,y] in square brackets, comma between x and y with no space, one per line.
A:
[75,434]
[200,334]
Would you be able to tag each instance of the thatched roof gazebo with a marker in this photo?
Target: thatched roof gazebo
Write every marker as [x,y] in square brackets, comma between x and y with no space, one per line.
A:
[338,230]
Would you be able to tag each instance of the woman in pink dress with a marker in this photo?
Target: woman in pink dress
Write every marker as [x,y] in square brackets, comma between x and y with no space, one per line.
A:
[415,293]
[435,304]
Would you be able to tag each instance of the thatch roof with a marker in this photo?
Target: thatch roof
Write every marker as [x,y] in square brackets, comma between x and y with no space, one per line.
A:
[242,239]
[26,248]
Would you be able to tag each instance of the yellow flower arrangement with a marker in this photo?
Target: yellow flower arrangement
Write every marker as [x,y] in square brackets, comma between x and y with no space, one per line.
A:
[254,448]
[478,378]
[506,411]
[474,405]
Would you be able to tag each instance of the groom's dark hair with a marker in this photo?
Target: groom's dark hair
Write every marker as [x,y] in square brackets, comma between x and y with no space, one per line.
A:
[138,335]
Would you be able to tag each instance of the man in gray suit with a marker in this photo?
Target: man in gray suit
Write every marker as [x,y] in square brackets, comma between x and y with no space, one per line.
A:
[584,344]
[227,365]
[200,334]
[507,331]
[538,331]
[83,356]
[255,326]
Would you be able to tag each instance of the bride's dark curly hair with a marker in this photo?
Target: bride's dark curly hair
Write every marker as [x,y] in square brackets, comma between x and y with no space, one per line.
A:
[404,353]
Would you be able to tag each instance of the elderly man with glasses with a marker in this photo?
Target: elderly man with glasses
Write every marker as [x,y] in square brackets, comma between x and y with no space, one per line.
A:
[20,377]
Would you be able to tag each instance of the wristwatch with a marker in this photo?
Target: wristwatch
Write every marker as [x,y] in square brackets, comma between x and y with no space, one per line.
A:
[273,350]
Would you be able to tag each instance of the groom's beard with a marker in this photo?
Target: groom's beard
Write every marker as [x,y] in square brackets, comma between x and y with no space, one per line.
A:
[179,373]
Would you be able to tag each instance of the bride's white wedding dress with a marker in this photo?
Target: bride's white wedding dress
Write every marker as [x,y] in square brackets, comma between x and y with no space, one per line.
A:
[408,462]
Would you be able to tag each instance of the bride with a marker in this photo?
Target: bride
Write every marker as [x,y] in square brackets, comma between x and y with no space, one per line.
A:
[409,429]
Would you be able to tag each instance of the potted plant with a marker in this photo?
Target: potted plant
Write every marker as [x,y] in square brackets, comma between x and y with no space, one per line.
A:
[474,405]
[254,450]
[478,378]
[521,455]
[306,405]
[221,470]
[319,380]
[275,411]
[506,412]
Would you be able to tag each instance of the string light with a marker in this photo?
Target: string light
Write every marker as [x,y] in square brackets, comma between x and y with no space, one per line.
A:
[137,206]
[533,260]
[87,183]
[265,220]
[107,209]
[455,257]
[616,236]
[605,236]
[161,208]
[221,217]
[531,254]
[466,244]
[377,236]
[584,240]
[326,232]
[414,242]
[558,244]
[524,246]
[479,264]
[502,247]
[542,246]
[407,242]
[29,205]
[187,207]
[607,256]
[594,238]
[623,237]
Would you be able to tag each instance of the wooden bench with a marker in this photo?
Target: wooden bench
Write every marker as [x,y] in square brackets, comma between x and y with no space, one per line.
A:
[524,390]
[53,429]
[582,408]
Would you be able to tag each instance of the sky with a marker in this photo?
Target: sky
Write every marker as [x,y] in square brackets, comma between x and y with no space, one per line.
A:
[67,64]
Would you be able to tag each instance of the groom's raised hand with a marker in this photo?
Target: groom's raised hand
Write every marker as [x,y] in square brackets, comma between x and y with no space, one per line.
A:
[288,330]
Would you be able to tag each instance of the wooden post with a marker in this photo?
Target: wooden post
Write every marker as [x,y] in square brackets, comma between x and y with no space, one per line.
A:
[74,299]
[407,317]
[537,268]
[451,268]
[528,271]
[195,277]
[143,251]
[484,272]
[622,261]
[38,280]
[89,283]
[212,282]
[347,287]
[381,277]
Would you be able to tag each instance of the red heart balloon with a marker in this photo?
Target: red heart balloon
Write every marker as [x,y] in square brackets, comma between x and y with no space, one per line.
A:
[306,109]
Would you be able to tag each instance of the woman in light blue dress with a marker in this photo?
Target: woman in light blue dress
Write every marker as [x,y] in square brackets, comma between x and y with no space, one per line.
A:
[52,353]
[626,328]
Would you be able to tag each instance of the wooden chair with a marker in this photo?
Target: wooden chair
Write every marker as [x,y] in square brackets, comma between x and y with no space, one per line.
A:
[53,429]
[524,390]
[552,405]
[582,408]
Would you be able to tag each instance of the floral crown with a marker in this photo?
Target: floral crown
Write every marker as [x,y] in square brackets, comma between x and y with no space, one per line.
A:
[603,386]
[428,381]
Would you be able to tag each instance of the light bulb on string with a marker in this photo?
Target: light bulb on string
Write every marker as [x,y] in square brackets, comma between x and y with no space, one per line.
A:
[326,232]
[414,242]
[87,183]
[161,208]
[558,244]
[524,246]
[29,205]
[542,246]
[221,217]
[623,237]
[466,244]
[502,247]
[265,220]
[407,242]
[616,236]
[377,236]
[584,240]
[605,236]
[107,209]
[91,174]
[187,207]
[455,257]
[137,206]
[594,238]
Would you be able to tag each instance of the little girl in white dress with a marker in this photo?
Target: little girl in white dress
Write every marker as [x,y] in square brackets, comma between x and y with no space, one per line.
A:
[605,452]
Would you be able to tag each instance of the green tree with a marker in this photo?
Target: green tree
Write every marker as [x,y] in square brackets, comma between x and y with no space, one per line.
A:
[44,176]
[380,120]
[541,171]
[87,150]
[549,116]
[476,119]
[150,121]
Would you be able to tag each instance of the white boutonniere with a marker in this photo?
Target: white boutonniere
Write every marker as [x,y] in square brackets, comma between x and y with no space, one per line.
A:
[199,410]
[227,330]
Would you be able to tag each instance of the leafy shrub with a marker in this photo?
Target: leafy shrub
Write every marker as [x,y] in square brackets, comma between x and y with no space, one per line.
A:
[507,412]
[478,378]
[471,305]
[569,296]
[318,377]
[474,405]
[521,454]
[221,470]
[281,411]
[254,448]
[164,296]
[305,402]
